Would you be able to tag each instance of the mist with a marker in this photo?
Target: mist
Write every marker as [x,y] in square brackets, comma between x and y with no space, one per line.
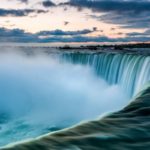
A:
[40,94]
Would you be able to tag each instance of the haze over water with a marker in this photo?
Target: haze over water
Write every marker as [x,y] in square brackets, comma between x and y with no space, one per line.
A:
[40,94]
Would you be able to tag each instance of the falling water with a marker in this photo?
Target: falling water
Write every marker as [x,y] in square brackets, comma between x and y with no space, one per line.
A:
[129,71]
[43,93]
[38,94]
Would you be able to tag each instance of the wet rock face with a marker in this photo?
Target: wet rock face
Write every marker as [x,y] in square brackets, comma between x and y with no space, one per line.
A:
[127,129]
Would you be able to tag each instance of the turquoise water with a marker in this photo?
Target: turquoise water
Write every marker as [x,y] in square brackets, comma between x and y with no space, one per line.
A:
[129,71]
[43,93]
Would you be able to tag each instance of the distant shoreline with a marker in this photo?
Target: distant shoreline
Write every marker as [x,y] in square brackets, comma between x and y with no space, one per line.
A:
[131,48]
[77,44]
[81,45]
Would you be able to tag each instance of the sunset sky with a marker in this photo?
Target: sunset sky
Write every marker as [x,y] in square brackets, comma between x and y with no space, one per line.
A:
[74,21]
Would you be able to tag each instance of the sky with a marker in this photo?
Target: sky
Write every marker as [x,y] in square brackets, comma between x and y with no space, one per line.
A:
[45,21]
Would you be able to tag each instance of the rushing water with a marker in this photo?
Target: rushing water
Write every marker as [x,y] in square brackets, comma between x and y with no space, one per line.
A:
[131,72]
[42,93]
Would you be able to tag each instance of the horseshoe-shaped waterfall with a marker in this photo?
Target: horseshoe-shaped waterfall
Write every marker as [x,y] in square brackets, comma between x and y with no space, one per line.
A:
[47,92]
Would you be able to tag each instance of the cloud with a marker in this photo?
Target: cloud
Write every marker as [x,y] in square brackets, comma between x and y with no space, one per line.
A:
[99,39]
[23,1]
[15,12]
[127,13]
[18,35]
[113,5]
[138,34]
[126,20]
[19,12]
[48,3]
[64,33]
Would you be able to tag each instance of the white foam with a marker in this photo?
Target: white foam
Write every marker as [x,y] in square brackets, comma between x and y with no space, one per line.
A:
[40,93]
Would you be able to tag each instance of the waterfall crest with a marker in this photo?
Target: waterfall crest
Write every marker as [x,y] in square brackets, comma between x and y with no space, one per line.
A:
[131,72]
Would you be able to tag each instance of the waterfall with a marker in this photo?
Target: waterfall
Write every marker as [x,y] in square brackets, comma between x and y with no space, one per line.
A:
[129,71]
[37,88]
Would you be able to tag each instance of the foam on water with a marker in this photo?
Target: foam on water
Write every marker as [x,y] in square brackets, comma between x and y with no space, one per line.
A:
[38,94]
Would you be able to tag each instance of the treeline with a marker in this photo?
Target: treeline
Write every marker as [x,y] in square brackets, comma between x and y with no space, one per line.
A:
[113,46]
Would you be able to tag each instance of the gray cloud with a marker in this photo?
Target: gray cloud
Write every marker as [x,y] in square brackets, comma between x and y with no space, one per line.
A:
[134,6]
[64,33]
[137,34]
[17,35]
[15,12]
[48,3]
[127,13]
[19,12]
[24,1]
